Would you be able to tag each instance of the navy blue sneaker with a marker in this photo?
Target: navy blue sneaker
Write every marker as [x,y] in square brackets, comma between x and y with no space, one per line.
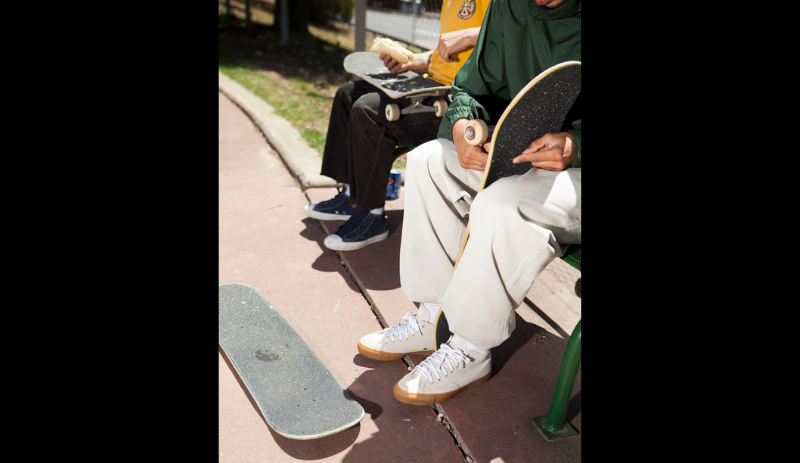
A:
[341,207]
[362,229]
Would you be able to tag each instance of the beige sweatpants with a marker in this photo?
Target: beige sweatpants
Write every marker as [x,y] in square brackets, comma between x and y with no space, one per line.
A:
[516,225]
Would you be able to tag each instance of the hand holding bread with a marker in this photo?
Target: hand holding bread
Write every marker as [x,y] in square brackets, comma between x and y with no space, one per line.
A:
[393,49]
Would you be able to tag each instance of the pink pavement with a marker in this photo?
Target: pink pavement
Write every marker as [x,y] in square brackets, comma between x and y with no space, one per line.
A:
[267,241]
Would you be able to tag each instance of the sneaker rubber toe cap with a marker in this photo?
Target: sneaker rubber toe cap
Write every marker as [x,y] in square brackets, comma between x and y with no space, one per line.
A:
[336,243]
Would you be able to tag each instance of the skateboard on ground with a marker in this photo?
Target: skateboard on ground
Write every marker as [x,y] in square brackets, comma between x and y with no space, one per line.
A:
[405,86]
[538,109]
[296,393]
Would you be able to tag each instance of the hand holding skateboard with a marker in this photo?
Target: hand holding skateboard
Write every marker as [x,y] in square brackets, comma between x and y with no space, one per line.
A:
[553,151]
[527,131]
[476,132]
[472,150]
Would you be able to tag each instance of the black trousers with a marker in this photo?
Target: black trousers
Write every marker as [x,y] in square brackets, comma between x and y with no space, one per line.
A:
[360,146]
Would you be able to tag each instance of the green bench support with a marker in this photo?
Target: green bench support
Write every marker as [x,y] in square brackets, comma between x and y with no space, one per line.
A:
[553,425]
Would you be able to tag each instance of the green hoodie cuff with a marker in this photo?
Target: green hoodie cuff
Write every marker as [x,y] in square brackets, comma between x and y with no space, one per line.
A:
[450,118]
[576,133]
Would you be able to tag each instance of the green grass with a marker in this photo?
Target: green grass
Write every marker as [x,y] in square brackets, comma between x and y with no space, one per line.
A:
[298,81]
[315,138]
[305,108]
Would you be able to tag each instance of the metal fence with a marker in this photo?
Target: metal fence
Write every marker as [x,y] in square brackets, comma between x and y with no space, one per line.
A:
[415,22]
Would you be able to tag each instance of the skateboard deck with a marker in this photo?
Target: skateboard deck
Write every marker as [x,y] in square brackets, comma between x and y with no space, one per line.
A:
[538,109]
[369,66]
[296,393]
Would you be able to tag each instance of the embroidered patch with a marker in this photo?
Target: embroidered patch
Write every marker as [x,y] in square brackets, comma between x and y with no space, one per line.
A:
[467,9]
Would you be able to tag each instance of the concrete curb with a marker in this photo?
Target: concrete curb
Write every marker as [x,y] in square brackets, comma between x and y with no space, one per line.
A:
[303,161]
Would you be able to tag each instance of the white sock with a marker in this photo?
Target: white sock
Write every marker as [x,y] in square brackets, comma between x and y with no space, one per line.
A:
[433,310]
[346,189]
[471,346]
[378,211]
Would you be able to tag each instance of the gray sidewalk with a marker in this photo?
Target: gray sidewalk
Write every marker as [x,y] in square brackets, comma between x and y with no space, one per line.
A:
[332,299]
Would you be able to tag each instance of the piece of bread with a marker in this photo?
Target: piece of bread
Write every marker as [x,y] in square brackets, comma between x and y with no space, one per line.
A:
[393,49]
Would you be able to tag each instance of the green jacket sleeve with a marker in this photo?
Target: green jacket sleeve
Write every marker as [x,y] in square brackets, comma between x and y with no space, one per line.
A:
[517,41]
[478,86]
[572,124]
[576,132]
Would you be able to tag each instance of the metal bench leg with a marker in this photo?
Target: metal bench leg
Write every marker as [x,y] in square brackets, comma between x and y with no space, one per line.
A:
[553,426]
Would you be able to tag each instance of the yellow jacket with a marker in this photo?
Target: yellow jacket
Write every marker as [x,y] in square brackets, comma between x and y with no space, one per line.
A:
[456,15]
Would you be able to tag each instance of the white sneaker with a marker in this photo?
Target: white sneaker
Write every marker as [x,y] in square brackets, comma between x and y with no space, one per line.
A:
[413,335]
[452,369]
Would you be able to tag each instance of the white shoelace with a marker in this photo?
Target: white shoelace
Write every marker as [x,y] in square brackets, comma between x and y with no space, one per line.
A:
[402,328]
[446,356]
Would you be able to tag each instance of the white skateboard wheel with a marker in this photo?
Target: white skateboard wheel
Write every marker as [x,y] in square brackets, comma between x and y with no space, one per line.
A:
[392,112]
[441,107]
[476,132]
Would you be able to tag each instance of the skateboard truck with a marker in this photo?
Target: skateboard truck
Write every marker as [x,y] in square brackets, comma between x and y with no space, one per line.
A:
[393,111]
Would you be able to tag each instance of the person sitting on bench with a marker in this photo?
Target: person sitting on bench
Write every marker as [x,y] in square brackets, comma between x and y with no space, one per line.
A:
[361,143]
[506,251]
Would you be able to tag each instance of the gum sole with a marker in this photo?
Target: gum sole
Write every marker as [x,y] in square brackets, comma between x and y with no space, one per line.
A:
[379,355]
[430,399]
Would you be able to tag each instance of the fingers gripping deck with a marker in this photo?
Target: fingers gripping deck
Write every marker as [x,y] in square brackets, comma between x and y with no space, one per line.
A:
[538,109]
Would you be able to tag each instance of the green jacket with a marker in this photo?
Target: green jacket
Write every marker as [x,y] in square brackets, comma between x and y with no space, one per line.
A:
[517,42]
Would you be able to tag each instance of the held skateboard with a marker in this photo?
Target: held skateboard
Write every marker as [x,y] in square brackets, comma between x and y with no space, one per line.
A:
[407,85]
[538,109]
[296,393]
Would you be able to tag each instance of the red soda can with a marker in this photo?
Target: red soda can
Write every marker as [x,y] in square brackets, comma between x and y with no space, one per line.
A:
[393,187]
